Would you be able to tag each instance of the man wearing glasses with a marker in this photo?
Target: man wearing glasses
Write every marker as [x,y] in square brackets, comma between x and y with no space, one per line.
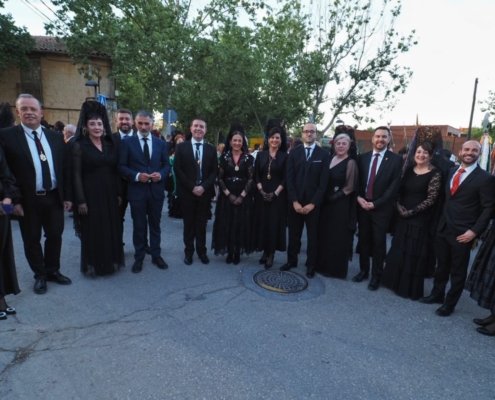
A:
[307,177]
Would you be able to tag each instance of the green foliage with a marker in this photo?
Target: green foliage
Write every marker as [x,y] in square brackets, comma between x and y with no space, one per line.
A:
[15,43]
[476,132]
[489,107]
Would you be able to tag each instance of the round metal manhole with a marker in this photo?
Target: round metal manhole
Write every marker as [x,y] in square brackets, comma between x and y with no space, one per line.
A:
[280,281]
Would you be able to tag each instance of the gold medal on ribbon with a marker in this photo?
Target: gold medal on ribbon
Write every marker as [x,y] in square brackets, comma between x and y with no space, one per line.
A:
[199,162]
[269,176]
[42,157]
[236,168]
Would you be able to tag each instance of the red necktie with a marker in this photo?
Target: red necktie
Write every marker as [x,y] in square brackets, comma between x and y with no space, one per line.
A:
[457,180]
[369,189]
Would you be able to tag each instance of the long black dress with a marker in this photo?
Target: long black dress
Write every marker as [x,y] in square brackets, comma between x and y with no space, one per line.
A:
[481,279]
[97,183]
[270,217]
[8,274]
[336,213]
[232,229]
[406,260]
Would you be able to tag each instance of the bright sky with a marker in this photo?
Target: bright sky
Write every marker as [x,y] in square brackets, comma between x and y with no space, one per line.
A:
[454,49]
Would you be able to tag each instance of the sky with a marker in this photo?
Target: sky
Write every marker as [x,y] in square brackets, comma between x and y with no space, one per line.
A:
[454,47]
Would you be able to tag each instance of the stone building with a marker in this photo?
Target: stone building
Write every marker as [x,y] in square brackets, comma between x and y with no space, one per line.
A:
[54,79]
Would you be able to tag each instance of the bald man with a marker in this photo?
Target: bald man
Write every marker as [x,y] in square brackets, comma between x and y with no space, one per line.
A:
[469,205]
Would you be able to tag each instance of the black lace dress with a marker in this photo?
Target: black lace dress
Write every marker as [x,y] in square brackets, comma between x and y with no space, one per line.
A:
[270,217]
[232,229]
[8,274]
[407,258]
[96,182]
[336,215]
[481,280]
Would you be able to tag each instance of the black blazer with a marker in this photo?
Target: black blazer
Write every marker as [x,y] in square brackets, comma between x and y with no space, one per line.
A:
[387,179]
[20,162]
[472,205]
[307,180]
[185,169]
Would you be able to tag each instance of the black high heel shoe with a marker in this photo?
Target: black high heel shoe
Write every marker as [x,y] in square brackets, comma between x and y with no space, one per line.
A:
[269,261]
[237,259]
[263,258]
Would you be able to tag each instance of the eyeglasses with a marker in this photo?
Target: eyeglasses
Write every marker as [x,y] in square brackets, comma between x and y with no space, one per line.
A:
[309,132]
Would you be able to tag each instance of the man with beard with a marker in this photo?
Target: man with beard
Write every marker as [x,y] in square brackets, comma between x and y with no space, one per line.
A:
[379,179]
[469,205]
[145,164]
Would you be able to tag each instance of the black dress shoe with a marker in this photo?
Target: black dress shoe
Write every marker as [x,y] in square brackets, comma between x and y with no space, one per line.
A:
[147,249]
[485,331]
[445,310]
[188,260]
[237,259]
[159,262]
[287,267]
[40,285]
[374,284]
[485,321]
[137,266]
[204,259]
[269,261]
[361,276]
[432,299]
[229,259]
[310,273]
[58,278]
[9,311]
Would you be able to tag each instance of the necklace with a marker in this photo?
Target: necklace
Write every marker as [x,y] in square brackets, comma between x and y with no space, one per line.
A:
[269,176]
[236,162]
[38,144]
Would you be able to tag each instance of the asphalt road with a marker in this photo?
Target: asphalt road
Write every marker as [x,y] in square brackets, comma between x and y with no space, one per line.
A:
[207,332]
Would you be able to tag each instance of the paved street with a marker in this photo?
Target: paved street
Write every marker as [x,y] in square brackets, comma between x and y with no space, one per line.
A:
[205,332]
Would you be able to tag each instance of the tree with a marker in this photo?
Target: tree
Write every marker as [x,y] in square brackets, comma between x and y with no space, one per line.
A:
[489,107]
[15,43]
[354,63]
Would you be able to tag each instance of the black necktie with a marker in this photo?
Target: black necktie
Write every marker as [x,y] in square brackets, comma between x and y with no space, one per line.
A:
[45,168]
[146,150]
[308,149]
[198,162]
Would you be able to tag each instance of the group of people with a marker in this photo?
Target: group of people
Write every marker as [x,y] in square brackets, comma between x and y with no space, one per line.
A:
[335,193]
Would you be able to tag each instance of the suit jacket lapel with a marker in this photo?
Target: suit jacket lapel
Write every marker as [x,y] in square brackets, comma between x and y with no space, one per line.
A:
[137,144]
[21,138]
[367,161]
[466,181]
[53,148]
[383,164]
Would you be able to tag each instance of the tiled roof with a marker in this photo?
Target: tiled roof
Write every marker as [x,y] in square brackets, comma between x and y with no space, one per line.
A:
[50,44]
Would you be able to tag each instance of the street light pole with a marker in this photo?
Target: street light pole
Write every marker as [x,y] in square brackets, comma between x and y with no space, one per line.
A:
[472,110]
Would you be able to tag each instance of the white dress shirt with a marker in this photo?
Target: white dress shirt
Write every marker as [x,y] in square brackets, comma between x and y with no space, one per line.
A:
[312,147]
[193,143]
[36,155]
[380,159]
[466,173]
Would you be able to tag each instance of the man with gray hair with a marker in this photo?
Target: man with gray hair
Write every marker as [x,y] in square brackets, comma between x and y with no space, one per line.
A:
[38,160]
[69,132]
[145,164]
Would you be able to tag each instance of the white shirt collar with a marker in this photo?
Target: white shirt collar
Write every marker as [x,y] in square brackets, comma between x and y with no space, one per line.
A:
[309,147]
[141,136]
[39,130]
[382,153]
[469,169]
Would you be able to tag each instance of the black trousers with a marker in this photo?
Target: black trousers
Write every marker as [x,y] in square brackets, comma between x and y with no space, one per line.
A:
[372,240]
[195,211]
[296,224]
[43,213]
[453,262]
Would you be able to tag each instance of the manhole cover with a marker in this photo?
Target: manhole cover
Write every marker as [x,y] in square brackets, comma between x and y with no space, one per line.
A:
[280,281]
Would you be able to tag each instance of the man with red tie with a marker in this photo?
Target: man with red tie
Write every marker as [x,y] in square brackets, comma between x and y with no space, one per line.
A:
[469,205]
[379,179]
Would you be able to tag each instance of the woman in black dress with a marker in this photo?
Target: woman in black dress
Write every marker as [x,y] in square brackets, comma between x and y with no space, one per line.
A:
[97,193]
[337,211]
[406,260]
[270,201]
[481,282]
[232,233]
[174,206]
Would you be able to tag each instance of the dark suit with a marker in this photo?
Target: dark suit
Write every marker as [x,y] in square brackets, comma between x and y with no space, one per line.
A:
[306,183]
[195,209]
[373,224]
[469,208]
[123,205]
[146,198]
[41,212]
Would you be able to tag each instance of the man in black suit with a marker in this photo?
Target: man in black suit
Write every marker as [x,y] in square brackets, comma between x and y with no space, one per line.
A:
[469,205]
[196,168]
[38,160]
[307,178]
[144,163]
[379,180]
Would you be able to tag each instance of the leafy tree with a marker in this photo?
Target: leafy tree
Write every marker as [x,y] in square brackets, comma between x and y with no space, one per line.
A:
[15,42]
[489,107]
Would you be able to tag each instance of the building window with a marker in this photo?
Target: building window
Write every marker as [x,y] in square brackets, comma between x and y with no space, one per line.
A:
[31,79]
